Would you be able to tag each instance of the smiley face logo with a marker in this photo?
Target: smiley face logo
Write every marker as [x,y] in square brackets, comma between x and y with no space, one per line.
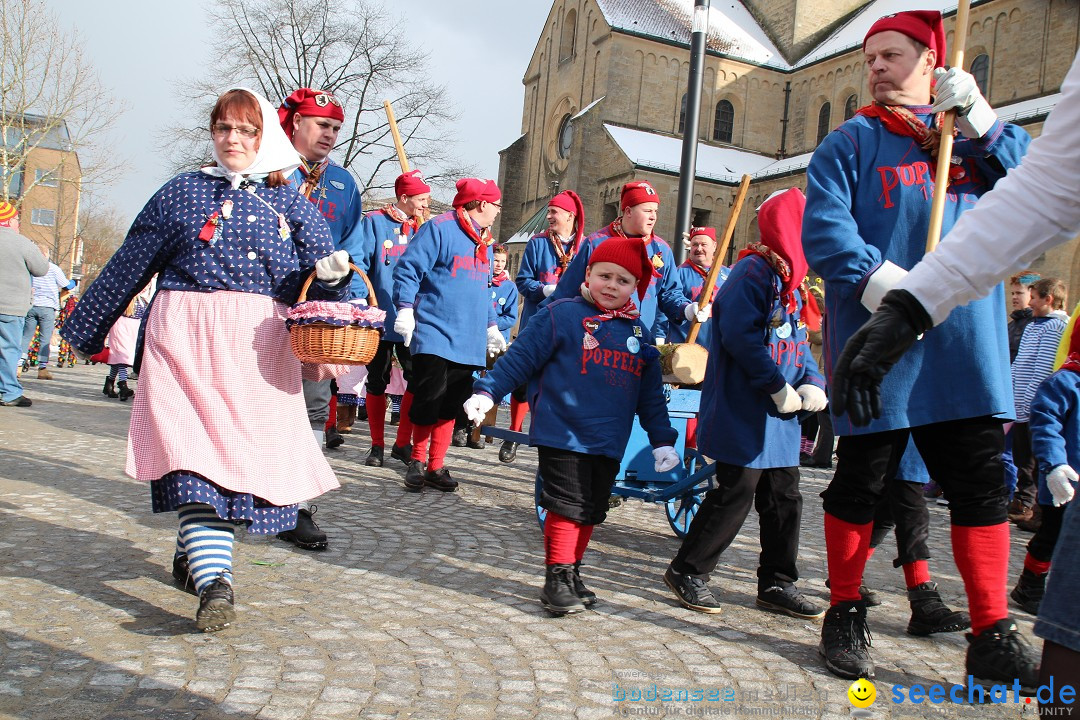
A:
[862,693]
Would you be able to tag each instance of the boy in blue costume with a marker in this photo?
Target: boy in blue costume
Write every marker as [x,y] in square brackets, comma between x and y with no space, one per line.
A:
[591,366]
[760,375]
[869,193]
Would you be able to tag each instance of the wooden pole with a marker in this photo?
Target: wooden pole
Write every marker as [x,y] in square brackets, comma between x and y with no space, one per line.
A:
[944,160]
[402,160]
[714,271]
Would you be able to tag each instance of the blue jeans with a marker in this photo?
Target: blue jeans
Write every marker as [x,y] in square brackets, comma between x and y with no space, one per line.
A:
[1058,620]
[11,327]
[45,318]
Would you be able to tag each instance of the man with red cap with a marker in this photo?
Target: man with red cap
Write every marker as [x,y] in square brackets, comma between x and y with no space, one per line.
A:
[869,193]
[446,319]
[639,203]
[691,275]
[19,260]
[386,234]
[545,259]
[312,120]
[591,366]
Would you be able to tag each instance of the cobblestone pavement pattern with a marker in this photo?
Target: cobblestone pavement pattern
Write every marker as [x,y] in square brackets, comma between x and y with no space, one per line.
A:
[424,606]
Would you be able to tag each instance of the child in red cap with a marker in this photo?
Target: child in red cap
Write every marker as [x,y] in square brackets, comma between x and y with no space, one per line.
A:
[590,365]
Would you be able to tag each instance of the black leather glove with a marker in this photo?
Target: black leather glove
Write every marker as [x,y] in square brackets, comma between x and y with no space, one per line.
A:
[872,351]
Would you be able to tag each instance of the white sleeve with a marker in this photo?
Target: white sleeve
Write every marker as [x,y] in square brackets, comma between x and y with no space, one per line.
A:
[1033,208]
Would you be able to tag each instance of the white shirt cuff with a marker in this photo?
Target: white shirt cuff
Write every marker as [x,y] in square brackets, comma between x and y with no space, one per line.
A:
[880,282]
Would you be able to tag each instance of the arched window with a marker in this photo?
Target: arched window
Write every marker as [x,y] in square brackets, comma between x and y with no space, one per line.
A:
[724,125]
[566,41]
[980,69]
[851,106]
[823,122]
[682,115]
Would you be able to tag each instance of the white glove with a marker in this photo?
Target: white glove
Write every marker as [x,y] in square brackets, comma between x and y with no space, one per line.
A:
[691,311]
[547,290]
[956,88]
[333,267]
[1060,483]
[496,343]
[477,407]
[787,400]
[665,458]
[813,398]
[405,324]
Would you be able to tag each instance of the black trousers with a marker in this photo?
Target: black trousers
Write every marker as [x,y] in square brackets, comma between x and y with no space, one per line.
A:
[774,493]
[380,366]
[576,485]
[439,387]
[963,457]
[1027,479]
[903,509]
[1041,545]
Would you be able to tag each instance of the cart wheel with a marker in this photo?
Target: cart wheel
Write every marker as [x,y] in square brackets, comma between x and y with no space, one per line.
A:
[681,512]
[541,513]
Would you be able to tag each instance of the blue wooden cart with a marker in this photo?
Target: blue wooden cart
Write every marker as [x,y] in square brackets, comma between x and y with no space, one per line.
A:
[680,490]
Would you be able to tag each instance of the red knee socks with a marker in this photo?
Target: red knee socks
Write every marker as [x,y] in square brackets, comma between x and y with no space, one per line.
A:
[691,433]
[376,417]
[405,426]
[331,421]
[518,411]
[982,556]
[583,541]
[562,538]
[441,436]
[421,435]
[1039,567]
[847,547]
[916,573]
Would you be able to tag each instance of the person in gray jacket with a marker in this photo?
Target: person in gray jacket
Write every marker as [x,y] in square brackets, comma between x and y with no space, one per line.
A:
[19,259]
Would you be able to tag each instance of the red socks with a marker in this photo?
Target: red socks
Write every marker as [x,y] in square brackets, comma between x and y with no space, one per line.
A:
[1039,567]
[982,556]
[847,547]
[916,573]
[331,421]
[518,411]
[421,435]
[583,541]
[691,433]
[405,426]
[376,416]
[562,538]
[441,436]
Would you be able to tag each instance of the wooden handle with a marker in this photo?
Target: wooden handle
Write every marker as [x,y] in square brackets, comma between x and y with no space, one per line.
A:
[717,262]
[398,145]
[944,158]
[372,300]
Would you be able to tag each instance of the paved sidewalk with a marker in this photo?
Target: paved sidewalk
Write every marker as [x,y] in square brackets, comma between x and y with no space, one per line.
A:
[424,606]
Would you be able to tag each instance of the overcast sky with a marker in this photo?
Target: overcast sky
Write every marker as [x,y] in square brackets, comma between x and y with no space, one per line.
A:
[478,49]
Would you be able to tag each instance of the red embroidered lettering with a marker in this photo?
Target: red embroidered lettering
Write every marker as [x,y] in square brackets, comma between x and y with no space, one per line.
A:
[889,180]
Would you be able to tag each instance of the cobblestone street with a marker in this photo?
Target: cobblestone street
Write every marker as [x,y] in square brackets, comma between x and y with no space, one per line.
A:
[424,606]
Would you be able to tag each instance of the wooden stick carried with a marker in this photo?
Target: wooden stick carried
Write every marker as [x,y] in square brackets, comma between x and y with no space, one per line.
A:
[398,145]
[721,250]
[944,159]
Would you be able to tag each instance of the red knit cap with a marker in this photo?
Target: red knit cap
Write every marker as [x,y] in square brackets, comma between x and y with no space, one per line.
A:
[711,232]
[924,26]
[410,183]
[469,189]
[569,201]
[628,253]
[7,211]
[309,103]
[637,192]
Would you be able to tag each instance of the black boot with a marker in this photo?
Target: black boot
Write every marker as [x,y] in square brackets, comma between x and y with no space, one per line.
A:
[508,451]
[306,535]
[587,596]
[558,596]
[182,574]
[332,439]
[110,389]
[1029,590]
[845,641]
[216,606]
[1000,655]
[414,476]
[375,457]
[460,438]
[929,614]
[124,391]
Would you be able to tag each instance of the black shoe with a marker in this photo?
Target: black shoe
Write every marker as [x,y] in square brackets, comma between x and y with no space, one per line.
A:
[374,457]
[110,388]
[929,614]
[404,454]
[123,391]
[440,480]
[788,600]
[558,596]
[461,436]
[333,438]
[306,535]
[845,641]
[361,413]
[870,597]
[692,592]
[182,574]
[1028,593]
[508,451]
[21,401]
[1001,655]
[414,476]
[216,610]
[809,461]
[395,417]
[587,596]
[475,444]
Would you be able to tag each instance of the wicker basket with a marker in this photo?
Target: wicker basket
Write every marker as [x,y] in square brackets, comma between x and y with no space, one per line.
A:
[333,344]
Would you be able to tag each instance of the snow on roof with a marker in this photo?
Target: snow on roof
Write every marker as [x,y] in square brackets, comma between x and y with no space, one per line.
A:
[537,223]
[1028,109]
[733,31]
[588,107]
[663,152]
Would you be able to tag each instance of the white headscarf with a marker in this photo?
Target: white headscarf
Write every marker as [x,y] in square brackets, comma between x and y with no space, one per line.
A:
[276,152]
